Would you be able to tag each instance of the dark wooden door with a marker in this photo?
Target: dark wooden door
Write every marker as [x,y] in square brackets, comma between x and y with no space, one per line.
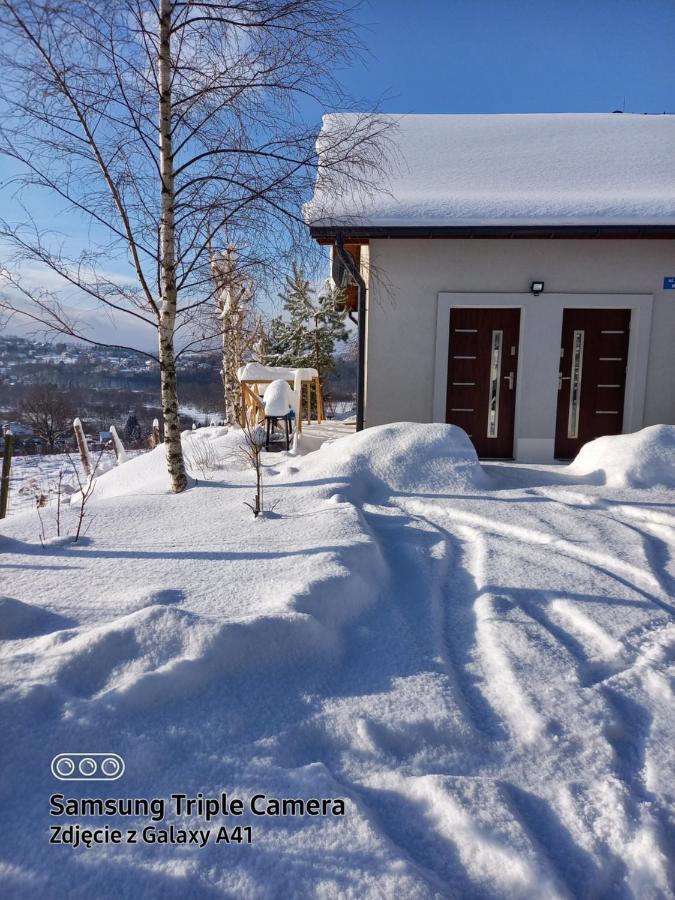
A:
[482,372]
[592,377]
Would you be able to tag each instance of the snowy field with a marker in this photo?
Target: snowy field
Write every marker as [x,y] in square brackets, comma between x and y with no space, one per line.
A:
[477,661]
[37,476]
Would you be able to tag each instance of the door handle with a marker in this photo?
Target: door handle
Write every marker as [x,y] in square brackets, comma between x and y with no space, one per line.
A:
[509,378]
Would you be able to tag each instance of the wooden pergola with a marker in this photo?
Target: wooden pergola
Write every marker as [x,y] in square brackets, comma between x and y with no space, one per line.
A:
[255,377]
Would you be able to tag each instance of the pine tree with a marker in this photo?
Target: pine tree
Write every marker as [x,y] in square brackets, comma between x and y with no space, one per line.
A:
[132,429]
[314,324]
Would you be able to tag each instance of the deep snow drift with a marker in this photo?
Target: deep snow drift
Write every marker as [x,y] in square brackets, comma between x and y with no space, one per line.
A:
[643,459]
[478,662]
[402,457]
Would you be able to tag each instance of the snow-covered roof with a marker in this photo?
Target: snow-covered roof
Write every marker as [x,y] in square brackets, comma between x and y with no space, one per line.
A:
[257,372]
[509,170]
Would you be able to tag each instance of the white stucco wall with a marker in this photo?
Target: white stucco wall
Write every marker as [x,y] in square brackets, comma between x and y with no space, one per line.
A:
[410,292]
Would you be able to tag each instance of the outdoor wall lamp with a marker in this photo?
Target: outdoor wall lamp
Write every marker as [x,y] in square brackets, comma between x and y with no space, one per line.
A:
[537,287]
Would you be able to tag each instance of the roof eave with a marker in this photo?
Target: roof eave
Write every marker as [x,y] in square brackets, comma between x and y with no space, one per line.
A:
[325,234]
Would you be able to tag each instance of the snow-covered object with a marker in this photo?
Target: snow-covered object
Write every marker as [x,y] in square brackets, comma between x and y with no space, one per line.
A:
[120,452]
[257,372]
[405,456]
[278,399]
[544,169]
[297,407]
[643,459]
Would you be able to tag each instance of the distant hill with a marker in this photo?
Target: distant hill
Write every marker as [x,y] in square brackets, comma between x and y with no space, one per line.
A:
[105,385]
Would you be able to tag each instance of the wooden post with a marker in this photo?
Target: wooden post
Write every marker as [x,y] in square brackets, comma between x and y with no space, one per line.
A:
[319,400]
[298,421]
[6,466]
[308,400]
[242,405]
[82,447]
[253,409]
[156,436]
[255,396]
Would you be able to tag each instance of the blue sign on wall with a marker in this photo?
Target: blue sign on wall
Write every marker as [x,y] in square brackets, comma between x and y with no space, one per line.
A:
[669,283]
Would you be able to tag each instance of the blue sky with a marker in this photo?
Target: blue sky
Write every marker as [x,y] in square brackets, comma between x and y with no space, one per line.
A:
[471,56]
[465,56]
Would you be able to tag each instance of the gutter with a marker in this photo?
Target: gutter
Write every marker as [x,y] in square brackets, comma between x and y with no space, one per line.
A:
[350,265]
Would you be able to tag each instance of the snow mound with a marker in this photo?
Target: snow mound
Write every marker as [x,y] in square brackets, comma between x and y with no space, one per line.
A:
[403,457]
[205,449]
[215,448]
[144,474]
[160,652]
[23,620]
[643,459]
[143,596]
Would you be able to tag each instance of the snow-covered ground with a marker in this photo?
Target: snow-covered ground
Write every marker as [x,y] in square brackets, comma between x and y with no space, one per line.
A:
[36,476]
[478,661]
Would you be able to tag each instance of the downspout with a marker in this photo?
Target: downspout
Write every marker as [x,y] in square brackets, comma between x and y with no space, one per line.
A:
[349,263]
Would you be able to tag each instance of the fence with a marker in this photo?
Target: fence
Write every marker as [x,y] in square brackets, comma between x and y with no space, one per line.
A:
[6,468]
[26,477]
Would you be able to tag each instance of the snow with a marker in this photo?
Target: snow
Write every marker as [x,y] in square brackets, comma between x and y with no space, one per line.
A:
[278,399]
[145,474]
[120,452]
[35,475]
[401,457]
[258,372]
[210,448]
[478,659]
[643,459]
[529,169]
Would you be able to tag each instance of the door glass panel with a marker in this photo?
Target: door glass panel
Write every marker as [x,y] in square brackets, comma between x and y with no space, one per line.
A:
[495,374]
[575,384]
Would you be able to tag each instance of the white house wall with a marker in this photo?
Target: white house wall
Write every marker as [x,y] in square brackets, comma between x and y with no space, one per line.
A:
[414,283]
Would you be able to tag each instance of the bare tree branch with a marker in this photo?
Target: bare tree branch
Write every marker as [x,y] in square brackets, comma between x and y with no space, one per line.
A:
[166,127]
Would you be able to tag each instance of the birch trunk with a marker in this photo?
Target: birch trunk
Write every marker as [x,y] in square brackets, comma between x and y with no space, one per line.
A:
[167,316]
[234,295]
[232,360]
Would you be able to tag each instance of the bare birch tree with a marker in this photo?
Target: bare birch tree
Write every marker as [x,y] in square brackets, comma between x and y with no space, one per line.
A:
[239,325]
[160,124]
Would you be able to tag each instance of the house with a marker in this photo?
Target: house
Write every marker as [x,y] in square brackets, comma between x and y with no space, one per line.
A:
[516,276]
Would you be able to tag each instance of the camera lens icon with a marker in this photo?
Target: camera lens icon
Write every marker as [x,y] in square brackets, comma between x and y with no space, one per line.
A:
[65,767]
[112,767]
[87,766]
